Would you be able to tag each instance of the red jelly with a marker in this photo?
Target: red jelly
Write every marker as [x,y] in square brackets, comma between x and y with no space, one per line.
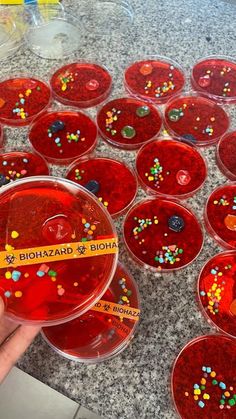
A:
[116,183]
[226,155]
[98,334]
[154,80]
[1,136]
[128,123]
[204,380]
[220,215]
[16,165]
[170,167]
[215,77]
[196,119]
[63,136]
[22,99]
[81,84]
[217,291]
[59,275]
[162,234]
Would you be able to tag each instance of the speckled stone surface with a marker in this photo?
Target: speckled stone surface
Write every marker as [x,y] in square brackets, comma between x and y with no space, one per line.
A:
[136,384]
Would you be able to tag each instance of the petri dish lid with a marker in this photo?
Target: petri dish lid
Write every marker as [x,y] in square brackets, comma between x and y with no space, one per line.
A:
[62,31]
[103,17]
[58,250]
[10,34]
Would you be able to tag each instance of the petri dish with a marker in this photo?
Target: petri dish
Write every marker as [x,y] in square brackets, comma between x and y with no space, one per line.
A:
[226,155]
[58,250]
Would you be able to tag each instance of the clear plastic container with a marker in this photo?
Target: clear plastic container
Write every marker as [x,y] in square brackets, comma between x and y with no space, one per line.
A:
[10,33]
[172,168]
[82,84]
[62,136]
[162,234]
[22,98]
[220,215]
[154,78]
[62,31]
[128,123]
[15,165]
[58,250]
[1,136]
[196,119]
[226,155]
[100,335]
[215,77]
[105,17]
[217,292]
[113,182]
[203,378]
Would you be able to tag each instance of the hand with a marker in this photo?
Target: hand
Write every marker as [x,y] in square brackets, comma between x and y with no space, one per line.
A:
[14,340]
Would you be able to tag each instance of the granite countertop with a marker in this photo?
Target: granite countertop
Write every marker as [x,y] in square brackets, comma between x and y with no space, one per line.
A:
[136,384]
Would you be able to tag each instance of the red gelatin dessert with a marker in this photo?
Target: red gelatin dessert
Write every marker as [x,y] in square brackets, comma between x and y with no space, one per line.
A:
[81,84]
[22,99]
[170,167]
[203,379]
[1,136]
[98,334]
[196,119]
[217,291]
[128,123]
[162,234]
[215,77]
[16,165]
[58,250]
[110,180]
[220,215]
[62,136]
[226,155]
[154,80]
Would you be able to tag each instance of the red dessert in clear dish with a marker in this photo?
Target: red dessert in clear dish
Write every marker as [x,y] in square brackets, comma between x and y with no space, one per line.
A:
[220,215]
[217,291]
[1,136]
[203,379]
[16,165]
[216,78]
[22,99]
[128,123]
[169,167]
[162,234]
[196,119]
[110,180]
[104,331]
[226,155]
[58,250]
[81,84]
[155,79]
[62,136]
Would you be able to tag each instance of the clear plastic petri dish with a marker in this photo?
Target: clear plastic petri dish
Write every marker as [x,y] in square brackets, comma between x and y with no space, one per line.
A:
[172,168]
[22,98]
[106,330]
[203,380]
[217,292]
[62,136]
[154,79]
[220,215]
[10,32]
[81,84]
[112,181]
[52,32]
[128,123]
[196,119]
[226,155]
[58,250]
[215,77]
[162,235]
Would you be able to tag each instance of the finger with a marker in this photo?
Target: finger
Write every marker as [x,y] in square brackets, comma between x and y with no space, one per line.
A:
[14,347]
[7,327]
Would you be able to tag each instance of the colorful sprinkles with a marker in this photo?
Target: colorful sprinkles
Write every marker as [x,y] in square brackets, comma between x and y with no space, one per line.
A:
[201,392]
[112,116]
